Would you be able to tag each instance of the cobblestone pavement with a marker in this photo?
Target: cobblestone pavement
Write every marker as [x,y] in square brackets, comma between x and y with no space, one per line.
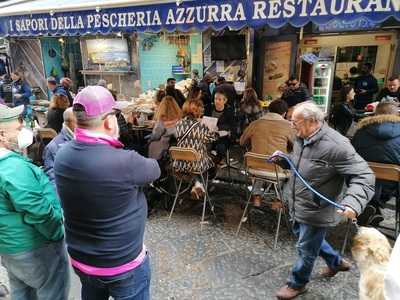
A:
[216,264]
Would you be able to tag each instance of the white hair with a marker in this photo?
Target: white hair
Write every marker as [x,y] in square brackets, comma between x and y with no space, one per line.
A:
[68,114]
[309,110]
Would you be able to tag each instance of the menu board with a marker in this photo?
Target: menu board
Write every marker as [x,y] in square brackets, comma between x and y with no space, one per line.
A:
[276,67]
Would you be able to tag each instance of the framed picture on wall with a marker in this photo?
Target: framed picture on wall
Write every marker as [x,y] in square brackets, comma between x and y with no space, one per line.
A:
[113,53]
[276,67]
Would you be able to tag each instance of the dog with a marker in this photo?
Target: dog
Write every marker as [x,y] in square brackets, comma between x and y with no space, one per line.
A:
[371,251]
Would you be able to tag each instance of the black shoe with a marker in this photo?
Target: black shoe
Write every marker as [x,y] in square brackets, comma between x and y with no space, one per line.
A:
[366,215]
[375,220]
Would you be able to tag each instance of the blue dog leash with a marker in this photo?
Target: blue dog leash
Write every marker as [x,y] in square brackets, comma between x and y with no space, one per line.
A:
[296,173]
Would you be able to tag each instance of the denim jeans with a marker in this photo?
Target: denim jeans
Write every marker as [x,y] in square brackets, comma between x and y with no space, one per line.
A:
[311,244]
[132,285]
[41,274]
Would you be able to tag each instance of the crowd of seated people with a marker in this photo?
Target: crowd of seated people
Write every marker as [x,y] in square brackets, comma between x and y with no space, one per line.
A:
[178,121]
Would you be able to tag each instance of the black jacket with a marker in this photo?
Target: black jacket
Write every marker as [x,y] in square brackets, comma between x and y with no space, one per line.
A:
[55,119]
[378,139]
[368,83]
[226,121]
[177,94]
[388,95]
[293,97]
[342,117]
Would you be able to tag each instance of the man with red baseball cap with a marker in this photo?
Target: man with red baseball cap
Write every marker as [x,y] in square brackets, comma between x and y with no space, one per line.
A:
[100,187]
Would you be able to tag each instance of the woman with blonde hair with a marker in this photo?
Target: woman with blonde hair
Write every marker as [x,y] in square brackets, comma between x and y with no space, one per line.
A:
[191,133]
[59,103]
[166,117]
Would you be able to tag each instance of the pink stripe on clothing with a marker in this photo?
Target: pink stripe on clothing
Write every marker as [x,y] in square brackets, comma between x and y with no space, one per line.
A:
[96,271]
[86,136]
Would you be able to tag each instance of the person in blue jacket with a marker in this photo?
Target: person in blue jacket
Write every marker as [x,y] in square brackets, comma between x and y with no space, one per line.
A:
[66,135]
[378,140]
[21,91]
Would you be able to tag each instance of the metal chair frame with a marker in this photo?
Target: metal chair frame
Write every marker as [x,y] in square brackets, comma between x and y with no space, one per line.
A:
[389,172]
[190,155]
[258,162]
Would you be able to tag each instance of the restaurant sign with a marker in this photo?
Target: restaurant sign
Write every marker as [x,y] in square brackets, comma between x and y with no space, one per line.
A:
[200,14]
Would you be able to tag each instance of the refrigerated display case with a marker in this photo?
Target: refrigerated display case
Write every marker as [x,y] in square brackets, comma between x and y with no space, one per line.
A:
[322,81]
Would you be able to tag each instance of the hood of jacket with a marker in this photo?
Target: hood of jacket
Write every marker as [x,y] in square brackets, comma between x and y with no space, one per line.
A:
[272,117]
[383,127]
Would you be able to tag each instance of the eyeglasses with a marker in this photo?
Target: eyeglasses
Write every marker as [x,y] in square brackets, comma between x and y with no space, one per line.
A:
[292,84]
[296,123]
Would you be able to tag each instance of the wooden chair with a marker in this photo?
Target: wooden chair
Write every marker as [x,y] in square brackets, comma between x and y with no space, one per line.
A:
[389,172]
[258,168]
[189,155]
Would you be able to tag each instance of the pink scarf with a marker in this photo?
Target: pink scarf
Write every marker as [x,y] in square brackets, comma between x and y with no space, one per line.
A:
[86,136]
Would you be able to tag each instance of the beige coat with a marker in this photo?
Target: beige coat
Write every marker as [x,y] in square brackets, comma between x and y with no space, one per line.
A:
[269,133]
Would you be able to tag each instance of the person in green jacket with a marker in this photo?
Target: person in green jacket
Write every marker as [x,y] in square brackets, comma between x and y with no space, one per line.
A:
[32,247]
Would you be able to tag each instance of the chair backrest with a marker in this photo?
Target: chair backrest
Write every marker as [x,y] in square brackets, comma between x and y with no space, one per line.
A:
[385,171]
[185,154]
[259,162]
[46,133]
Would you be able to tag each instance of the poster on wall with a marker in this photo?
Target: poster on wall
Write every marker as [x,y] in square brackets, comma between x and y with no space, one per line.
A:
[276,67]
[112,53]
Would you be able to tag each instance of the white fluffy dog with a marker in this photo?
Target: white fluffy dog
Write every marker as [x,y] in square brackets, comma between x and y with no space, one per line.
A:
[371,251]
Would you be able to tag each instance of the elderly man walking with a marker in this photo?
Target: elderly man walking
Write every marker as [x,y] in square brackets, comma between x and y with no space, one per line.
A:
[327,161]
[101,189]
[32,245]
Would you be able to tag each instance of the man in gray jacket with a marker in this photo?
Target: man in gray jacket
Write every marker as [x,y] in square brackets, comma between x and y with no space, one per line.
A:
[327,161]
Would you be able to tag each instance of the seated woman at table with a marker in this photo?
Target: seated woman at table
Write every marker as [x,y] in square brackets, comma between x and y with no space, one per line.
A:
[59,103]
[225,125]
[343,113]
[191,133]
[167,116]
[250,107]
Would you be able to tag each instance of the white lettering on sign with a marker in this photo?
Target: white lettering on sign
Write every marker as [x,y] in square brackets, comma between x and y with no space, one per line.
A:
[353,6]
[319,6]
[259,10]
[334,8]
[216,11]
[274,9]
[289,8]
[240,14]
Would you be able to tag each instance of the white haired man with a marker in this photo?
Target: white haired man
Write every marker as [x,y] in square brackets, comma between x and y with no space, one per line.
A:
[327,161]
[66,134]
[32,245]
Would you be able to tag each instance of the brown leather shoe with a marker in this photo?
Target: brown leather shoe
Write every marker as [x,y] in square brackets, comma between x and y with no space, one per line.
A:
[287,293]
[343,267]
